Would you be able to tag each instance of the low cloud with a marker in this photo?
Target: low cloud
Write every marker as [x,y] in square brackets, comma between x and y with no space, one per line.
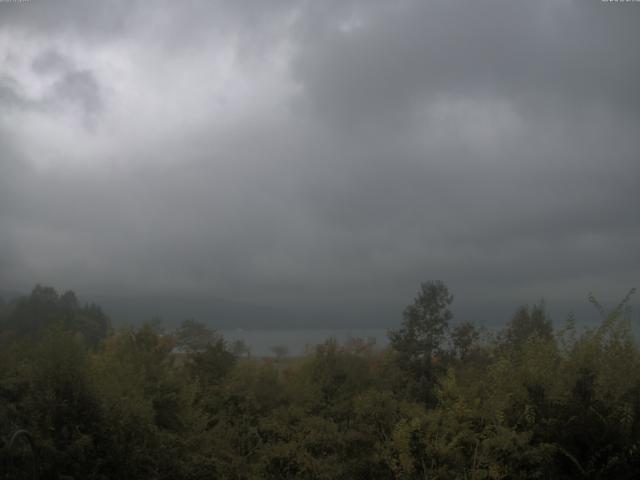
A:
[324,155]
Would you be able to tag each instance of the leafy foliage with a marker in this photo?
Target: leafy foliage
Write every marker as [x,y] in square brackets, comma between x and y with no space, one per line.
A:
[31,316]
[532,403]
[419,341]
[525,323]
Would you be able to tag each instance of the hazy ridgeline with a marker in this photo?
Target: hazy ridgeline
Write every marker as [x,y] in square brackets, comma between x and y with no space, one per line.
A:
[442,400]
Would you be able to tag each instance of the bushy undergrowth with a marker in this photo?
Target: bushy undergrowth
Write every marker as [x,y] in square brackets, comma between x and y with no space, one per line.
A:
[527,403]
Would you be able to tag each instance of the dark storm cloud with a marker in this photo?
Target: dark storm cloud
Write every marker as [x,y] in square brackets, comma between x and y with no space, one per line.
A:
[68,86]
[51,61]
[79,87]
[8,96]
[414,51]
[564,71]
[321,153]
[92,20]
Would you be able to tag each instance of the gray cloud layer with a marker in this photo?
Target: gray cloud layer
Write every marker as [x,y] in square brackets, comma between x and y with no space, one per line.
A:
[321,153]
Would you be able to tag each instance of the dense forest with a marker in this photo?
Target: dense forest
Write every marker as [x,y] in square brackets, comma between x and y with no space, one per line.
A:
[445,400]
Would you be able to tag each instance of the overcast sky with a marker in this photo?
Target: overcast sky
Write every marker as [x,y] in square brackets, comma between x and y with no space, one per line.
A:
[326,154]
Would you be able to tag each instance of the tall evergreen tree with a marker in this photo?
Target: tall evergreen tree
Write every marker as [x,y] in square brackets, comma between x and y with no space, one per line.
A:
[419,341]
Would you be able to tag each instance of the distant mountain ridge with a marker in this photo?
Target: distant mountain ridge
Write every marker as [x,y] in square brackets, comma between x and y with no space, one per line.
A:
[216,312]
[8,295]
[223,314]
